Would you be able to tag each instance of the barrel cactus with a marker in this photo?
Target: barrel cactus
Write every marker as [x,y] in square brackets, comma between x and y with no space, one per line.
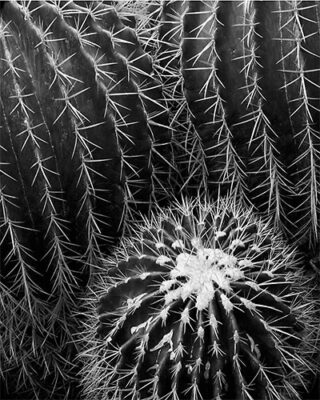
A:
[85,144]
[203,301]
[242,79]
[107,107]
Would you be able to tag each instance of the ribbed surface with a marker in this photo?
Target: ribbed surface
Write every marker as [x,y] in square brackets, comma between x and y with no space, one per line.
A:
[201,303]
[110,106]
[247,73]
[85,144]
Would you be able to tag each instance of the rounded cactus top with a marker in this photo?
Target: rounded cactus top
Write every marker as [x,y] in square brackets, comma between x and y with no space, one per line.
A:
[201,303]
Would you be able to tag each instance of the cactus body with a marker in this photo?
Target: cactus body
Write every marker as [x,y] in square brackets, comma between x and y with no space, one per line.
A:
[247,73]
[204,301]
[84,141]
[90,93]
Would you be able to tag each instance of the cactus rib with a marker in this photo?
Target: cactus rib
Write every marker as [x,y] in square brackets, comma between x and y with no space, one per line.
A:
[85,144]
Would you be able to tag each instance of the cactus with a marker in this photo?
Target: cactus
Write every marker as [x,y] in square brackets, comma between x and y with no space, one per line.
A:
[247,73]
[203,301]
[85,144]
[110,106]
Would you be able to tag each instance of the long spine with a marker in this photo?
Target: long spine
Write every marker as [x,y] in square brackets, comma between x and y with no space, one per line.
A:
[299,36]
[245,76]
[85,146]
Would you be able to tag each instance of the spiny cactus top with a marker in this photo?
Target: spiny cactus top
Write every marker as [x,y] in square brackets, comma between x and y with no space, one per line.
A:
[201,303]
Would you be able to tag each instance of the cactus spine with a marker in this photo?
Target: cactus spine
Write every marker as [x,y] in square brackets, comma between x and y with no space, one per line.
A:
[204,301]
[248,75]
[84,146]
[90,93]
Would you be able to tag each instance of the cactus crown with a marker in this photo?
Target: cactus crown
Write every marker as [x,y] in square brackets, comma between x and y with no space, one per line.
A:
[200,303]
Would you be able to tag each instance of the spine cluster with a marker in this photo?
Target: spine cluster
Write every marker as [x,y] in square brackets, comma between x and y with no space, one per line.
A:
[204,301]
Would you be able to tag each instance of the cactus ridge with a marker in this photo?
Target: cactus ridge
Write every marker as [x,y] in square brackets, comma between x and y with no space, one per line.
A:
[110,106]
[85,145]
[189,150]
[248,76]
[202,302]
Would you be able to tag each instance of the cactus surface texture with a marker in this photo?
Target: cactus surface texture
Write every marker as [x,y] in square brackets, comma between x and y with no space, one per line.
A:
[110,107]
[242,79]
[204,301]
[84,145]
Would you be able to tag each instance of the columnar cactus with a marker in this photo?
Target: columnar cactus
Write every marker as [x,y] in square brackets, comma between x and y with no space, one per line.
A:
[204,301]
[85,144]
[247,72]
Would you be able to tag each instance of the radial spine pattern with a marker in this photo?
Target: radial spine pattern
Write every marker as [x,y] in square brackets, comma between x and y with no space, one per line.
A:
[204,301]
